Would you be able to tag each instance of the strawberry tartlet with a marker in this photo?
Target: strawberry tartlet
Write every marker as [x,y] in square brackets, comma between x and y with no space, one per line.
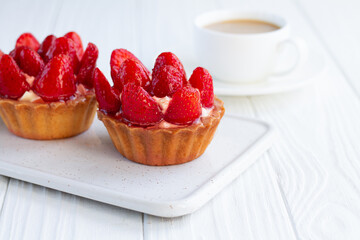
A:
[159,118]
[46,90]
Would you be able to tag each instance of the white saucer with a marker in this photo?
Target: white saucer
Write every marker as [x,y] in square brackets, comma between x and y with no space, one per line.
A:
[305,75]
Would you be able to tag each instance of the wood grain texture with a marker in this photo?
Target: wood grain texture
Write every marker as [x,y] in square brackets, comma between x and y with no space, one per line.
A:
[251,207]
[305,187]
[34,212]
[4,181]
[334,24]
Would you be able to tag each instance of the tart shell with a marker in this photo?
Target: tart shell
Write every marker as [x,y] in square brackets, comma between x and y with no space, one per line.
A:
[45,121]
[163,146]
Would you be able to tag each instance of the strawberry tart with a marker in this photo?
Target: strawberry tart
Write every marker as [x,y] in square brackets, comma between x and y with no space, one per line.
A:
[159,118]
[46,90]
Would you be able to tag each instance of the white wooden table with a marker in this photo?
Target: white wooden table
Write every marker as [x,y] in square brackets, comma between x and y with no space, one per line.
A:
[306,187]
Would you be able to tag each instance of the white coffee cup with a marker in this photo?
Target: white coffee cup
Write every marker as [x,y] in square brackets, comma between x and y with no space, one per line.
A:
[244,57]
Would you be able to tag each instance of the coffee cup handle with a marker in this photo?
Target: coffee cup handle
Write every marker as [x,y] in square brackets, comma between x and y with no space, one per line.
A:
[302,55]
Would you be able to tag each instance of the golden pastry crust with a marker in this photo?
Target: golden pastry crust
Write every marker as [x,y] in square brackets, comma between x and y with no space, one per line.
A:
[163,146]
[45,121]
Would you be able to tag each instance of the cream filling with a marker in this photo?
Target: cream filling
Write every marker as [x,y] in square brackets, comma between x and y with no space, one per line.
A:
[164,104]
[30,96]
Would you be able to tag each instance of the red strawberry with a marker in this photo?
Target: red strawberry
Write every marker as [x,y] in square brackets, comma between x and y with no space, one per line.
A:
[15,53]
[108,100]
[30,62]
[57,80]
[78,43]
[202,80]
[28,40]
[118,56]
[87,66]
[184,107]
[12,81]
[64,45]
[1,53]
[131,71]
[45,45]
[139,107]
[168,58]
[166,82]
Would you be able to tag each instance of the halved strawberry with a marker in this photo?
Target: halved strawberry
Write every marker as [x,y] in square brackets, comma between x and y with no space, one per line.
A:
[45,45]
[78,43]
[30,62]
[28,40]
[64,45]
[202,80]
[168,58]
[131,71]
[118,56]
[166,82]
[15,53]
[57,80]
[87,66]
[184,107]
[12,81]
[108,100]
[138,107]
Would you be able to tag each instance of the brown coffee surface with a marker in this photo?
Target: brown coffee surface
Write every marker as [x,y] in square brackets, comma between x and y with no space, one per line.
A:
[243,26]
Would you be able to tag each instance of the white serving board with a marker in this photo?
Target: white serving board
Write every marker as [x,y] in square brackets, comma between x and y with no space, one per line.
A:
[89,166]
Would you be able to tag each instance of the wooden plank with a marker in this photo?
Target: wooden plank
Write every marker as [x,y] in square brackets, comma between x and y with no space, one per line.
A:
[334,23]
[4,181]
[34,212]
[251,207]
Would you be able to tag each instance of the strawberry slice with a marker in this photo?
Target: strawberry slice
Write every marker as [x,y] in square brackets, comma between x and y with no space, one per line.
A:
[28,40]
[202,80]
[166,82]
[139,107]
[1,53]
[118,56]
[78,43]
[57,80]
[184,107]
[30,62]
[108,100]
[45,45]
[87,66]
[168,58]
[64,45]
[131,71]
[15,53]
[12,81]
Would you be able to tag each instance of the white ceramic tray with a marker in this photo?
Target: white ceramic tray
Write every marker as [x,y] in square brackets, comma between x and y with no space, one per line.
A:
[89,166]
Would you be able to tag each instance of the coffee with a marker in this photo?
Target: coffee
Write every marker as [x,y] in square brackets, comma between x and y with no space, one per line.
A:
[243,26]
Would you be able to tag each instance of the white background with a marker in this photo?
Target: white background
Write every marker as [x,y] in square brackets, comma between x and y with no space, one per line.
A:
[306,187]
